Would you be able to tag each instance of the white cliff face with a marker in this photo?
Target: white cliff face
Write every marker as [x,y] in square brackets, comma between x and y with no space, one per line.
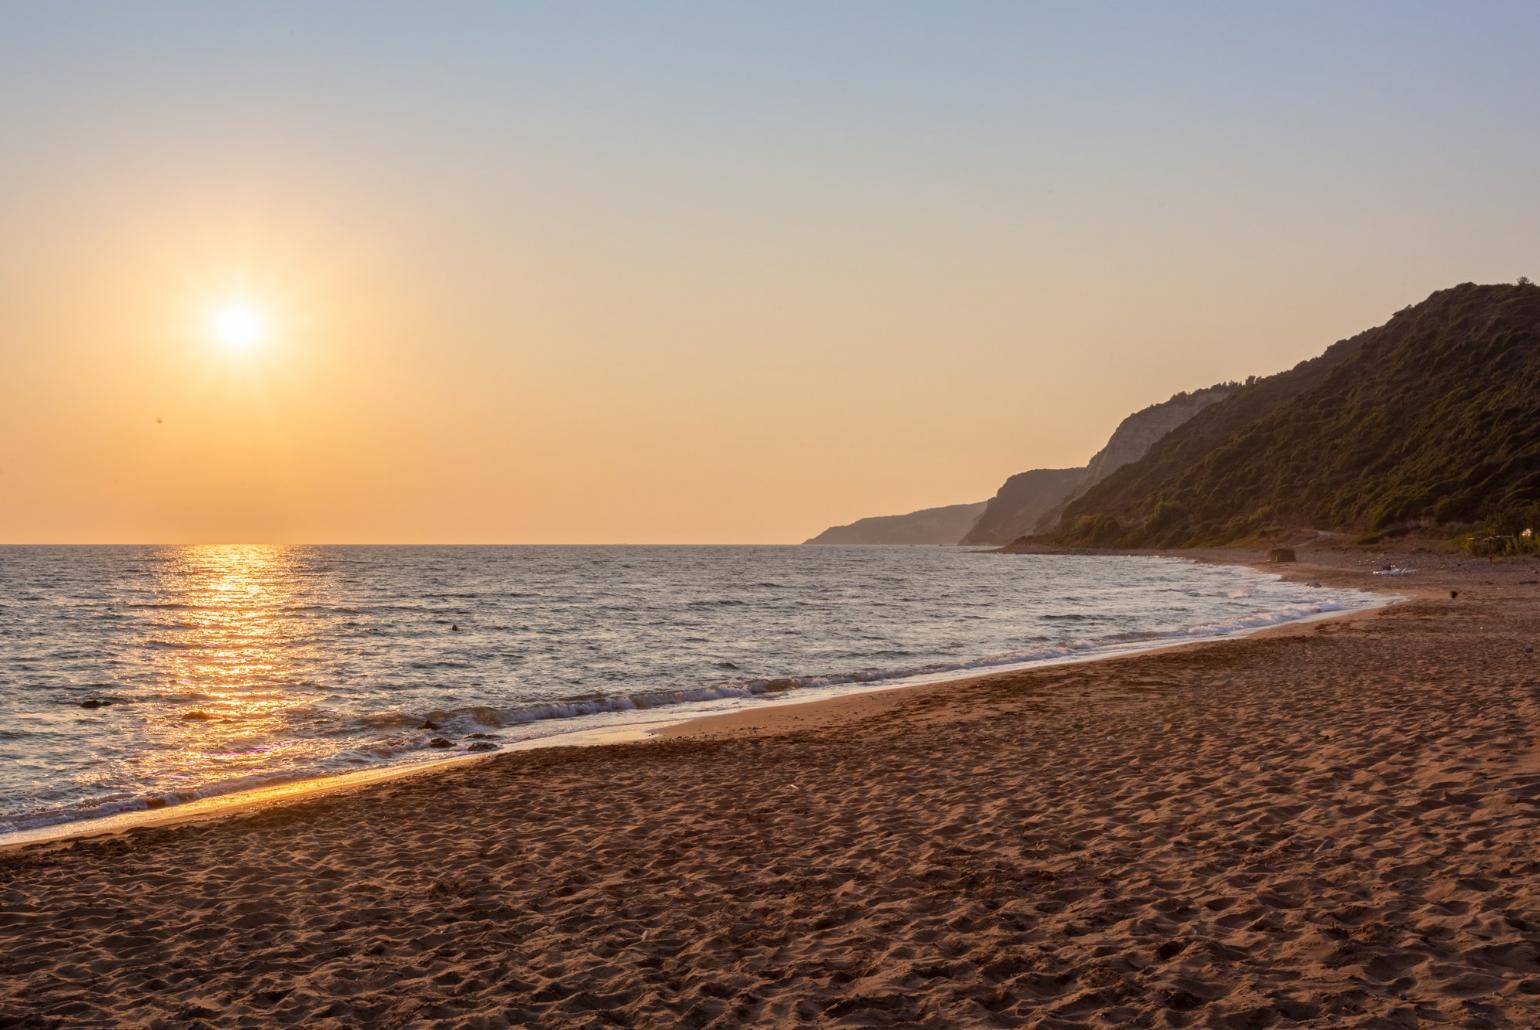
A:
[1137,433]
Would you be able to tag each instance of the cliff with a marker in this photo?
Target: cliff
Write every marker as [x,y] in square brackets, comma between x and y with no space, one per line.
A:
[1137,433]
[1021,501]
[1033,501]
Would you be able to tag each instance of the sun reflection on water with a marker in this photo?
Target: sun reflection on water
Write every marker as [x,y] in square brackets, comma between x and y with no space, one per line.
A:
[227,650]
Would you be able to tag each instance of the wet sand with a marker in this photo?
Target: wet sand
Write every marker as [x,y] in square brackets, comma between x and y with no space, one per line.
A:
[1331,825]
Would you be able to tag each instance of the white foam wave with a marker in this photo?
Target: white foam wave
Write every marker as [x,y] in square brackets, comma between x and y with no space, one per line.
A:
[480,717]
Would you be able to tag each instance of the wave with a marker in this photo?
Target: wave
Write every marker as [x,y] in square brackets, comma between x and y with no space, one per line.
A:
[471,718]
[120,802]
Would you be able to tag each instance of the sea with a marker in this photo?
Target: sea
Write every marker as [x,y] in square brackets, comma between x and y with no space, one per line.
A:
[138,677]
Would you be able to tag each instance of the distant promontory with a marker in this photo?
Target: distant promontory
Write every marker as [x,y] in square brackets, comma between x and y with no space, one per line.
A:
[1432,419]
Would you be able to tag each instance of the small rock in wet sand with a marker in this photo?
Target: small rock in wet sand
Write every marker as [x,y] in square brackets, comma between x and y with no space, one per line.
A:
[482,745]
[439,742]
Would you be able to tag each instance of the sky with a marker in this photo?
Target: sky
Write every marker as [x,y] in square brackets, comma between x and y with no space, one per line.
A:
[697,273]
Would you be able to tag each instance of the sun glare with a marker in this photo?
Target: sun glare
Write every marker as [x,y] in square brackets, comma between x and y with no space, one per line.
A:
[239,326]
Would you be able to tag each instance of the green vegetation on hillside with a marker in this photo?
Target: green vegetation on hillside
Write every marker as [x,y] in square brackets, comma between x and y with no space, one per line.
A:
[1431,418]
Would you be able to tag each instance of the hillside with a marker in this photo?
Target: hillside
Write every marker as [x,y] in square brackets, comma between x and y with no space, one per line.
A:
[1132,440]
[928,526]
[1033,501]
[1021,501]
[1432,417]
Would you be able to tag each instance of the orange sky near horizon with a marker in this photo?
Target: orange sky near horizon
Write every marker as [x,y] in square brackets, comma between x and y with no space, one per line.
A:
[611,314]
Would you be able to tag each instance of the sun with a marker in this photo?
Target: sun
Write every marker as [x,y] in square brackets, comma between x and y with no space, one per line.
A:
[238,326]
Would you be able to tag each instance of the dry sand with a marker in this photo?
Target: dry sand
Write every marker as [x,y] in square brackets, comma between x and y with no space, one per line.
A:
[1336,826]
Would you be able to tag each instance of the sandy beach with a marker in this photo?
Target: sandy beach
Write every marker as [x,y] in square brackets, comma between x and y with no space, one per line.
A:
[1328,825]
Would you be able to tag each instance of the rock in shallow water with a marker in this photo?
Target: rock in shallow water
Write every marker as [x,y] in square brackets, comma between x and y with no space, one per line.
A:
[483,745]
[439,742]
